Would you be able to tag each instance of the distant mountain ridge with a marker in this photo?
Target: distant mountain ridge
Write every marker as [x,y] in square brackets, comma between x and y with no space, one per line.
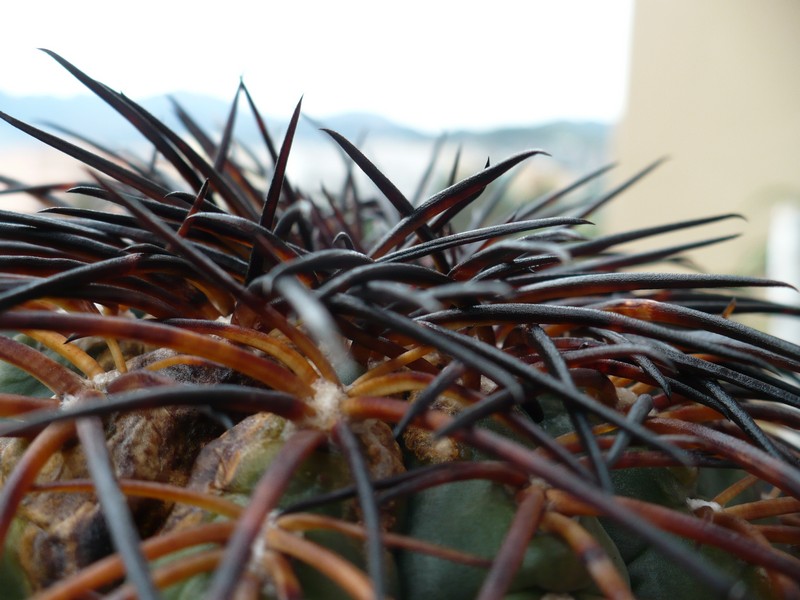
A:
[94,119]
[573,142]
[402,153]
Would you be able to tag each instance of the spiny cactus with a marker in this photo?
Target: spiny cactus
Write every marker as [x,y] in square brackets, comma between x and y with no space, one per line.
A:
[218,385]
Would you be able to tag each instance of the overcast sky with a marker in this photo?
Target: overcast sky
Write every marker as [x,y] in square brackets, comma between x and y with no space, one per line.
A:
[434,65]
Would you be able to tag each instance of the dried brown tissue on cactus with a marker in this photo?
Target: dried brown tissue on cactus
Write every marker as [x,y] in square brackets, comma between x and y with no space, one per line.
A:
[215,383]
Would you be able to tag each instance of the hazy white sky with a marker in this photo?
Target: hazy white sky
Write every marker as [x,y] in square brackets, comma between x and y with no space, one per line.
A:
[430,64]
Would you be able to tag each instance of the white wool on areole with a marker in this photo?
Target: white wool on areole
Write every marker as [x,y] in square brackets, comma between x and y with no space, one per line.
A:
[326,402]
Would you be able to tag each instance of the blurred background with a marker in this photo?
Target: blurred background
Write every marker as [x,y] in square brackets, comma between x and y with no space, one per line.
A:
[392,78]
[713,85]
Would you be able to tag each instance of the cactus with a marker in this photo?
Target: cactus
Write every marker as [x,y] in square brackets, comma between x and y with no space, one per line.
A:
[218,385]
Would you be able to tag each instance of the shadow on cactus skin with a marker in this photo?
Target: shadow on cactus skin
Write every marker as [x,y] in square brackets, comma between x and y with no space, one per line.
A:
[215,383]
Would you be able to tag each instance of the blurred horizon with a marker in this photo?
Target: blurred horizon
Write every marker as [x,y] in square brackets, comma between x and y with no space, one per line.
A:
[403,152]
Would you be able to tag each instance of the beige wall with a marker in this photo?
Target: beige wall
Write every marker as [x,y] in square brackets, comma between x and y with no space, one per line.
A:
[715,85]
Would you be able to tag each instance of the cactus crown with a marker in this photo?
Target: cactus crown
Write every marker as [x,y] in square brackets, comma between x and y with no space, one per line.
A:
[232,386]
